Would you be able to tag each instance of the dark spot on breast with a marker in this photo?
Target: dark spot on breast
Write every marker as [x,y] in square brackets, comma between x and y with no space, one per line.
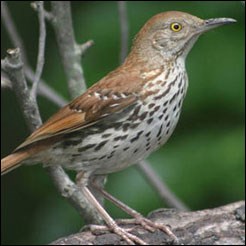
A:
[100,145]
[102,157]
[133,126]
[86,147]
[126,148]
[151,113]
[121,137]
[68,143]
[117,125]
[147,144]
[124,137]
[160,116]
[167,74]
[151,105]
[180,83]
[168,124]
[92,159]
[111,154]
[157,107]
[136,137]
[76,155]
[147,148]
[174,109]
[143,115]
[159,132]
[134,115]
[126,126]
[166,118]
[172,99]
[165,103]
[149,120]
[136,150]
[106,135]
[163,83]
[147,134]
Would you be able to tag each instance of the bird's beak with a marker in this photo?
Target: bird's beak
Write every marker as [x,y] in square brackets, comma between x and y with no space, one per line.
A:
[213,23]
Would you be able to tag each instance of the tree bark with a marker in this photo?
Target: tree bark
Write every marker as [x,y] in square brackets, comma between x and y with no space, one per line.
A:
[219,226]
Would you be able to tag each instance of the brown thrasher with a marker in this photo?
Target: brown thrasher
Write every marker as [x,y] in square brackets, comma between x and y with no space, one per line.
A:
[125,116]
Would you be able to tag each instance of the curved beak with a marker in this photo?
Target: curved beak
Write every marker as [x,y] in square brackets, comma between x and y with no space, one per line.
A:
[213,23]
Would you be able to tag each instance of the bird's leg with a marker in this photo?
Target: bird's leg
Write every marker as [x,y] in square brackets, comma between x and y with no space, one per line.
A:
[146,223]
[128,237]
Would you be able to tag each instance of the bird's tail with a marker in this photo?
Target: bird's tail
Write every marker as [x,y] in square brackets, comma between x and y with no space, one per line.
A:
[13,161]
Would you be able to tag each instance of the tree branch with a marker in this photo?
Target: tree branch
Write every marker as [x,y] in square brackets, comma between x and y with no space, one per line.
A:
[16,40]
[168,197]
[123,30]
[39,6]
[69,52]
[219,226]
[13,66]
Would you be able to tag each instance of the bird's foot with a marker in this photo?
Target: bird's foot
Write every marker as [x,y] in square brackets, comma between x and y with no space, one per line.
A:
[151,226]
[122,232]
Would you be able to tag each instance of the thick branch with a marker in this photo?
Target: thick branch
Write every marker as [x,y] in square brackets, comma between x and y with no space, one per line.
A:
[219,226]
[69,50]
[13,66]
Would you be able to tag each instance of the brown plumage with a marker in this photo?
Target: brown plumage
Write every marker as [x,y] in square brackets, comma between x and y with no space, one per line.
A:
[127,114]
[122,87]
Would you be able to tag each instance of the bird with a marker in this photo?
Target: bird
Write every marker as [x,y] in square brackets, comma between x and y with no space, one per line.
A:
[127,114]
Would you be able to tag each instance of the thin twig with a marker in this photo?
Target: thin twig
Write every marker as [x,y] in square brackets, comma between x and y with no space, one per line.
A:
[12,31]
[159,185]
[123,30]
[16,40]
[41,47]
[84,47]
[45,90]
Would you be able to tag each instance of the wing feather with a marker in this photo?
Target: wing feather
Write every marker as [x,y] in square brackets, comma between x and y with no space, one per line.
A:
[94,105]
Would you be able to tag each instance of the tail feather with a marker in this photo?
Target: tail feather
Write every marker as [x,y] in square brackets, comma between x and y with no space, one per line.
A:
[12,161]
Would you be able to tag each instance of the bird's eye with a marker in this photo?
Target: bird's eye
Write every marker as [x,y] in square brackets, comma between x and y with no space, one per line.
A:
[176,27]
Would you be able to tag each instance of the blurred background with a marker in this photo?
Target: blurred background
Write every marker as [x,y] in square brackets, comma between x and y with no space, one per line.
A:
[203,162]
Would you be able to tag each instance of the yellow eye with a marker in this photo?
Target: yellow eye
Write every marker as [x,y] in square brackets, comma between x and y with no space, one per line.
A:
[176,27]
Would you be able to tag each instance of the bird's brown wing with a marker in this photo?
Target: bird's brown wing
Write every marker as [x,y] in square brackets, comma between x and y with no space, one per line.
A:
[87,109]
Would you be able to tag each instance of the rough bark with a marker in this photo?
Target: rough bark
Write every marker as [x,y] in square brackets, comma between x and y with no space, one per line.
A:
[219,226]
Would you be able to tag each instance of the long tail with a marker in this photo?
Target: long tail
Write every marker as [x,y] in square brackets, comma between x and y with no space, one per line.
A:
[13,161]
